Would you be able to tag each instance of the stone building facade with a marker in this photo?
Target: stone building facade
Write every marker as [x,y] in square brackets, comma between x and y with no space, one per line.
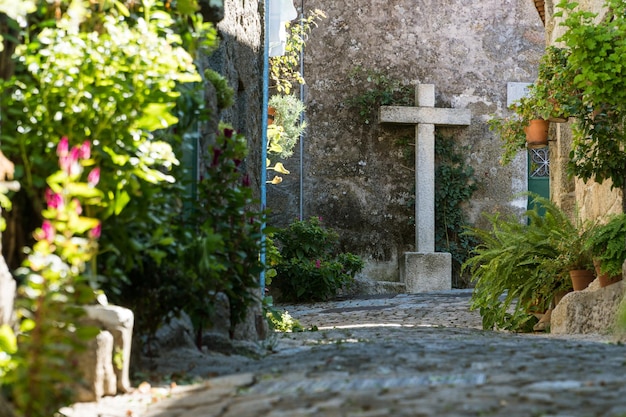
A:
[354,175]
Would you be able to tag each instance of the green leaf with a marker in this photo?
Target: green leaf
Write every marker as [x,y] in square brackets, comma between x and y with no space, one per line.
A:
[87,332]
[121,200]
[8,341]
[156,116]
[79,189]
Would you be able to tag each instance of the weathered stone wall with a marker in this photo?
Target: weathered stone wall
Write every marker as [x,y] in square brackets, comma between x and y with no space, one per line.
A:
[240,59]
[587,200]
[354,175]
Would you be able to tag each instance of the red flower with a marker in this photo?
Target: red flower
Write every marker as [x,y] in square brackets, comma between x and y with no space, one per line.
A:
[216,156]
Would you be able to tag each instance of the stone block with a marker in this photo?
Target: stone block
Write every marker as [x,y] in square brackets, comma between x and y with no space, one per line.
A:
[119,322]
[415,115]
[96,368]
[7,294]
[592,310]
[424,272]
[177,333]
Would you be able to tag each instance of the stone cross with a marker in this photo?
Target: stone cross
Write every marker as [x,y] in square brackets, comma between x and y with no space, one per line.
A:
[425,270]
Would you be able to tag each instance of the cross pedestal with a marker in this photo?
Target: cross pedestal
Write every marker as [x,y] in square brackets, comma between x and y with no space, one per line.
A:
[425,270]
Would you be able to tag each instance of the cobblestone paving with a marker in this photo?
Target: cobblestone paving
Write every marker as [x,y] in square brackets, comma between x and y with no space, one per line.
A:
[404,355]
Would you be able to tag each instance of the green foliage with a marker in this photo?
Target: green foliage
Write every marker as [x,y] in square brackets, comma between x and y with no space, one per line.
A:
[223,91]
[607,243]
[224,253]
[17,10]
[553,96]
[310,265]
[8,347]
[54,288]
[455,184]
[288,112]
[96,85]
[285,69]
[281,321]
[518,267]
[511,132]
[378,89]
[596,52]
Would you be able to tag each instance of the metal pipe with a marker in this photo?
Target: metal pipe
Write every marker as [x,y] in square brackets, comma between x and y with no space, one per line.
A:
[301,198]
[266,72]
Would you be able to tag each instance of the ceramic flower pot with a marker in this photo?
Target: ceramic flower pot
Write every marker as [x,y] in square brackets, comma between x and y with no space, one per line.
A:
[581,278]
[271,113]
[537,133]
[604,279]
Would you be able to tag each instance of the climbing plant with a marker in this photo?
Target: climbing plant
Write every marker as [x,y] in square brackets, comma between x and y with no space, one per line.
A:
[376,89]
[285,69]
[455,184]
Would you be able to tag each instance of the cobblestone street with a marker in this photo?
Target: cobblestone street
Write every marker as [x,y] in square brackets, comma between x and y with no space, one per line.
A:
[404,355]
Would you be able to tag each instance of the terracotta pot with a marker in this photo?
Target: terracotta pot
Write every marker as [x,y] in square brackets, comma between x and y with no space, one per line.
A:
[581,278]
[537,133]
[604,279]
[271,113]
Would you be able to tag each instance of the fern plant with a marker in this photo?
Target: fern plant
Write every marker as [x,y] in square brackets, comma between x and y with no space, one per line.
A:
[608,245]
[519,266]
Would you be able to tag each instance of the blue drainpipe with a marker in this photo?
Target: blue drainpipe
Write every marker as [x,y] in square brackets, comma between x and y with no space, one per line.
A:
[266,73]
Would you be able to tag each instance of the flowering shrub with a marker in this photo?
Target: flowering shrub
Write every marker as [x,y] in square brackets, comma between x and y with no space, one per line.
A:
[224,253]
[54,287]
[310,266]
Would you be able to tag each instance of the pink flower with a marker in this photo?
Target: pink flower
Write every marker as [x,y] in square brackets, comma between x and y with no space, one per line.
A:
[96,231]
[69,162]
[63,147]
[318,263]
[94,177]
[48,231]
[54,200]
[85,150]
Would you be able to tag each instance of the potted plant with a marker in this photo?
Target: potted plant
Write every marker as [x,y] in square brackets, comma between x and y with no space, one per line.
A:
[607,244]
[553,97]
[525,128]
[519,268]
[575,257]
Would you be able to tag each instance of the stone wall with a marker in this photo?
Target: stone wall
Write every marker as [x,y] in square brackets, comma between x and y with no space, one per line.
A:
[354,175]
[239,58]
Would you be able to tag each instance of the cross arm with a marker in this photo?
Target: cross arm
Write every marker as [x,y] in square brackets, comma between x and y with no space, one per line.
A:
[429,115]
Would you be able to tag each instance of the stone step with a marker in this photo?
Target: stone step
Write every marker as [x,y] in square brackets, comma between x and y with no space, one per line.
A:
[371,287]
